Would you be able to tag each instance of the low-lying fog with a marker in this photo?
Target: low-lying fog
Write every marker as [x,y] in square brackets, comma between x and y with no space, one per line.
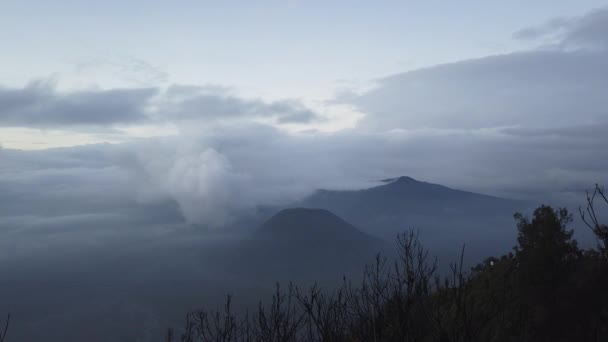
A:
[100,278]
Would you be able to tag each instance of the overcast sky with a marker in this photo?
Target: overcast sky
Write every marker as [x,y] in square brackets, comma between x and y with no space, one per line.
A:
[223,106]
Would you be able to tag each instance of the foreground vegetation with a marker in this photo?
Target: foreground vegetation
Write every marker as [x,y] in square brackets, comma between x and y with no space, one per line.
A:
[546,289]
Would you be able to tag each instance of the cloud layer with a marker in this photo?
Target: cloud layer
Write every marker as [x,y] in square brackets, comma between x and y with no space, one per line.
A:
[529,124]
[40,105]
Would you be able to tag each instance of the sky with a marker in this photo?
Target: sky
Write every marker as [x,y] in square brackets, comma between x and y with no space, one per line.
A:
[272,49]
[222,106]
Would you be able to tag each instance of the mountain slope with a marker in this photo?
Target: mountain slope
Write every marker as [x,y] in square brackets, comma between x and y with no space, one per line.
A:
[310,224]
[307,243]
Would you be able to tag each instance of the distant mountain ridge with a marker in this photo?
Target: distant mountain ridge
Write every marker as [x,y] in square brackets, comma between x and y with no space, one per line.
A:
[409,186]
[444,216]
[405,181]
[403,194]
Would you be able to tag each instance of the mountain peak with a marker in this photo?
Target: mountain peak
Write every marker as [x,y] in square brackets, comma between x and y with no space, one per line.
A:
[403,182]
[402,179]
[417,190]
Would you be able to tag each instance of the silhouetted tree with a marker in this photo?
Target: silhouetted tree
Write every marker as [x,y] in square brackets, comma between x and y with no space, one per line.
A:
[4,331]
[280,322]
[589,217]
[544,250]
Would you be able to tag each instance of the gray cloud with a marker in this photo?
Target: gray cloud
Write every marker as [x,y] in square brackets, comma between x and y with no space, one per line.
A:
[534,88]
[548,88]
[587,31]
[590,30]
[549,29]
[217,104]
[39,105]
[212,176]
